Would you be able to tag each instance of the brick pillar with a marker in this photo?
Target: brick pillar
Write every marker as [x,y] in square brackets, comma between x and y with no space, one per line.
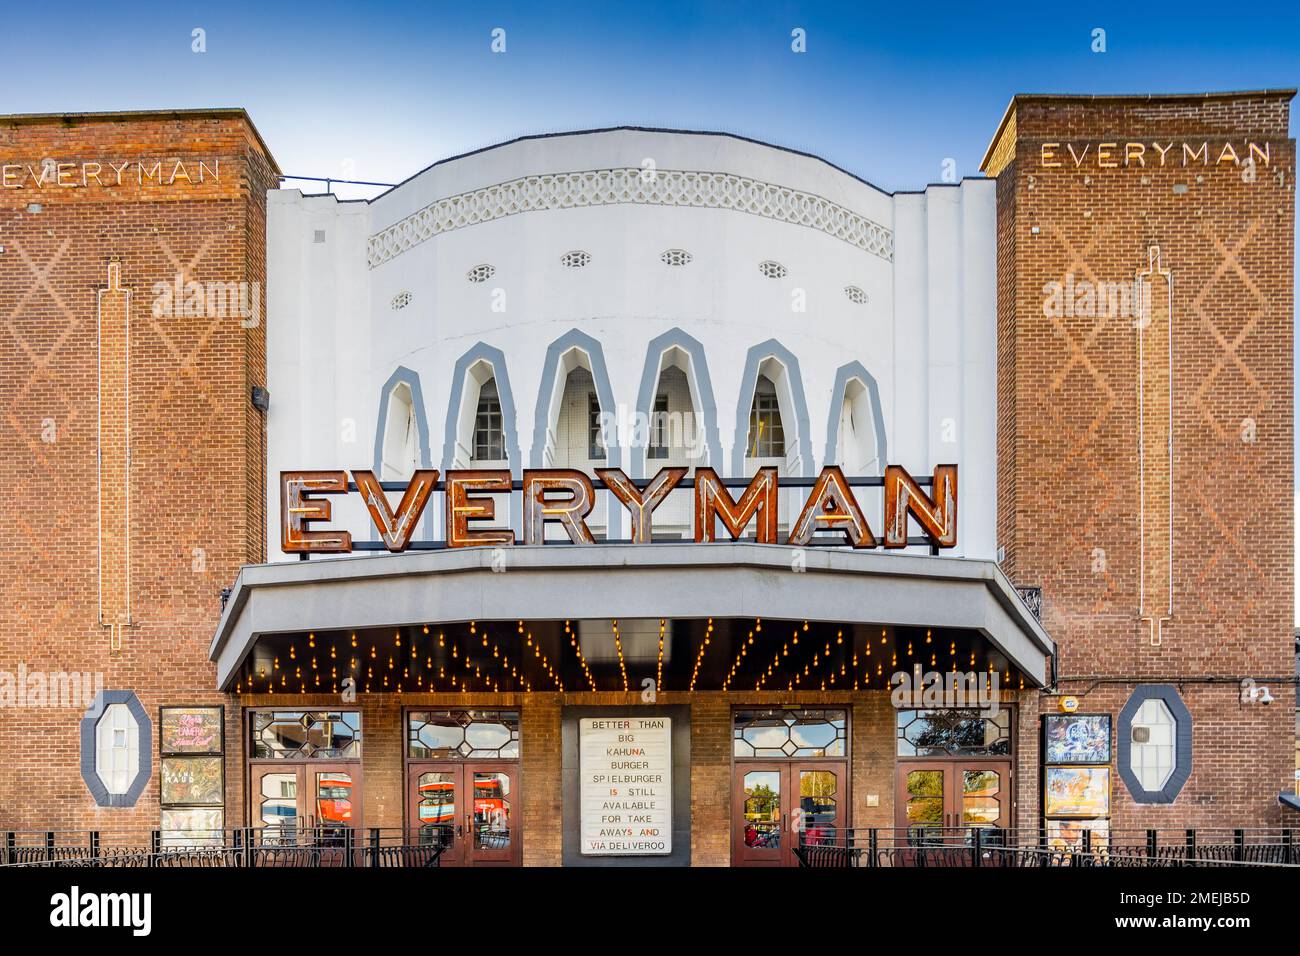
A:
[543,825]
[872,737]
[710,781]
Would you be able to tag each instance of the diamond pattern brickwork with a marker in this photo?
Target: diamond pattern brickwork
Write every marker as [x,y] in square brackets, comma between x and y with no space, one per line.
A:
[1071,513]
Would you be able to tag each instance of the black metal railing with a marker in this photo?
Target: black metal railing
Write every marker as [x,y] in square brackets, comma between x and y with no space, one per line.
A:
[837,847]
[277,846]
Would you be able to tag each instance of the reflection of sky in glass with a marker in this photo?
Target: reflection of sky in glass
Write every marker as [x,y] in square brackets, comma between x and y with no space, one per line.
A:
[813,733]
[766,737]
[818,735]
[436,736]
[486,736]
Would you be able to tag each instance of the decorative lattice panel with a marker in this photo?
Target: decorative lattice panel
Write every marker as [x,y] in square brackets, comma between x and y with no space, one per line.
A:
[603,187]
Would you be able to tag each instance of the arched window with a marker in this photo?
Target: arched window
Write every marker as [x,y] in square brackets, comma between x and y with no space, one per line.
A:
[489,433]
[856,436]
[579,442]
[766,434]
[673,439]
[401,447]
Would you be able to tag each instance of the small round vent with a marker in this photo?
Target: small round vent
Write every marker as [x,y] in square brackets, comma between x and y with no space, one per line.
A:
[676,257]
[575,259]
[773,270]
[400,301]
[855,295]
[481,273]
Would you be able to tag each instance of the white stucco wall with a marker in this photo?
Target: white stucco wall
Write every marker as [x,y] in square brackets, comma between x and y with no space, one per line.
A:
[926,334]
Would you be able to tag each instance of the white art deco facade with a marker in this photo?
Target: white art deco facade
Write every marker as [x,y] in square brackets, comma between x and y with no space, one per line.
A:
[498,308]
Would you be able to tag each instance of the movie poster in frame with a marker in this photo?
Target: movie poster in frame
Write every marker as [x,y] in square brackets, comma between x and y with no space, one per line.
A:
[193,826]
[1076,739]
[1082,792]
[191,730]
[1068,834]
[192,782]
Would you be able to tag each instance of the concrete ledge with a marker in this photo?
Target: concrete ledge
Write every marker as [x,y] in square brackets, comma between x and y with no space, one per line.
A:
[629,581]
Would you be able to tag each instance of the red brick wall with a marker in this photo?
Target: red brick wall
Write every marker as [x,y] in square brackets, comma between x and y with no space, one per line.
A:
[197,447]
[1069,503]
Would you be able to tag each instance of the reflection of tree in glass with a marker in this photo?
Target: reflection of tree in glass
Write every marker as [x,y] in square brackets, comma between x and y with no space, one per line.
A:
[955,732]
[925,783]
[819,783]
[925,796]
[762,803]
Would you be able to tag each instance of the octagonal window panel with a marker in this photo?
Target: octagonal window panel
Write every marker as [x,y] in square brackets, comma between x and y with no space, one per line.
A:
[487,735]
[116,748]
[1154,739]
[306,734]
[953,733]
[462,734]
[817,734]
[790,733]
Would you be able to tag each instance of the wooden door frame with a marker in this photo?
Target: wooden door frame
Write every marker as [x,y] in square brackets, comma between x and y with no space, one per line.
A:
[952,809]
[735,824]
[251,765]
[411,826]
[516,771]
[303,769]
[1010,759]
[733,811]
[512,769]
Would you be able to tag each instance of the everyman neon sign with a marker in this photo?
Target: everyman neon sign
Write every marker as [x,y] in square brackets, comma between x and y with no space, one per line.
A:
[565,497]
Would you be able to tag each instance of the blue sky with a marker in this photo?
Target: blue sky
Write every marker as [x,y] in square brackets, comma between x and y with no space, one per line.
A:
[377,91]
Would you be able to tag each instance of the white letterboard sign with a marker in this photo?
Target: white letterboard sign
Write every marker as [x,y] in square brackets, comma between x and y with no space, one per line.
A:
[626,769]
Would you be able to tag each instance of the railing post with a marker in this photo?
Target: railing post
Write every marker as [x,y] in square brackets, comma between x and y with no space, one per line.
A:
[49,845]
[250,851]
[1288,846]
[1152,844]
[374,846]
[873,845]
[155,846]
[1086,847]
[976,840]
[349,845]
[237,845]
[11,853]
[1239,839]
[1191,844]
[94,844]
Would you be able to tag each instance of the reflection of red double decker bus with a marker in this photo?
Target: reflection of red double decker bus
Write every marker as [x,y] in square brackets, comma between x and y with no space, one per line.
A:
[438,802]
[334,801]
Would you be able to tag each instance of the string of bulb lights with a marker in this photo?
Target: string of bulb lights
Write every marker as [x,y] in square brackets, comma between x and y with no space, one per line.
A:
[815,656]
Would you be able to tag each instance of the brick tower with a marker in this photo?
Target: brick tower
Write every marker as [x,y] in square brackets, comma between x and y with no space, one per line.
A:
[132,277]
[1145,260]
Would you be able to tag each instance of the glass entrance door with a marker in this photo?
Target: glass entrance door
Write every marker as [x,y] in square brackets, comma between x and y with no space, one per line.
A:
[778,803]
[468,808]
[760,803]
[313,804]
[939,802]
